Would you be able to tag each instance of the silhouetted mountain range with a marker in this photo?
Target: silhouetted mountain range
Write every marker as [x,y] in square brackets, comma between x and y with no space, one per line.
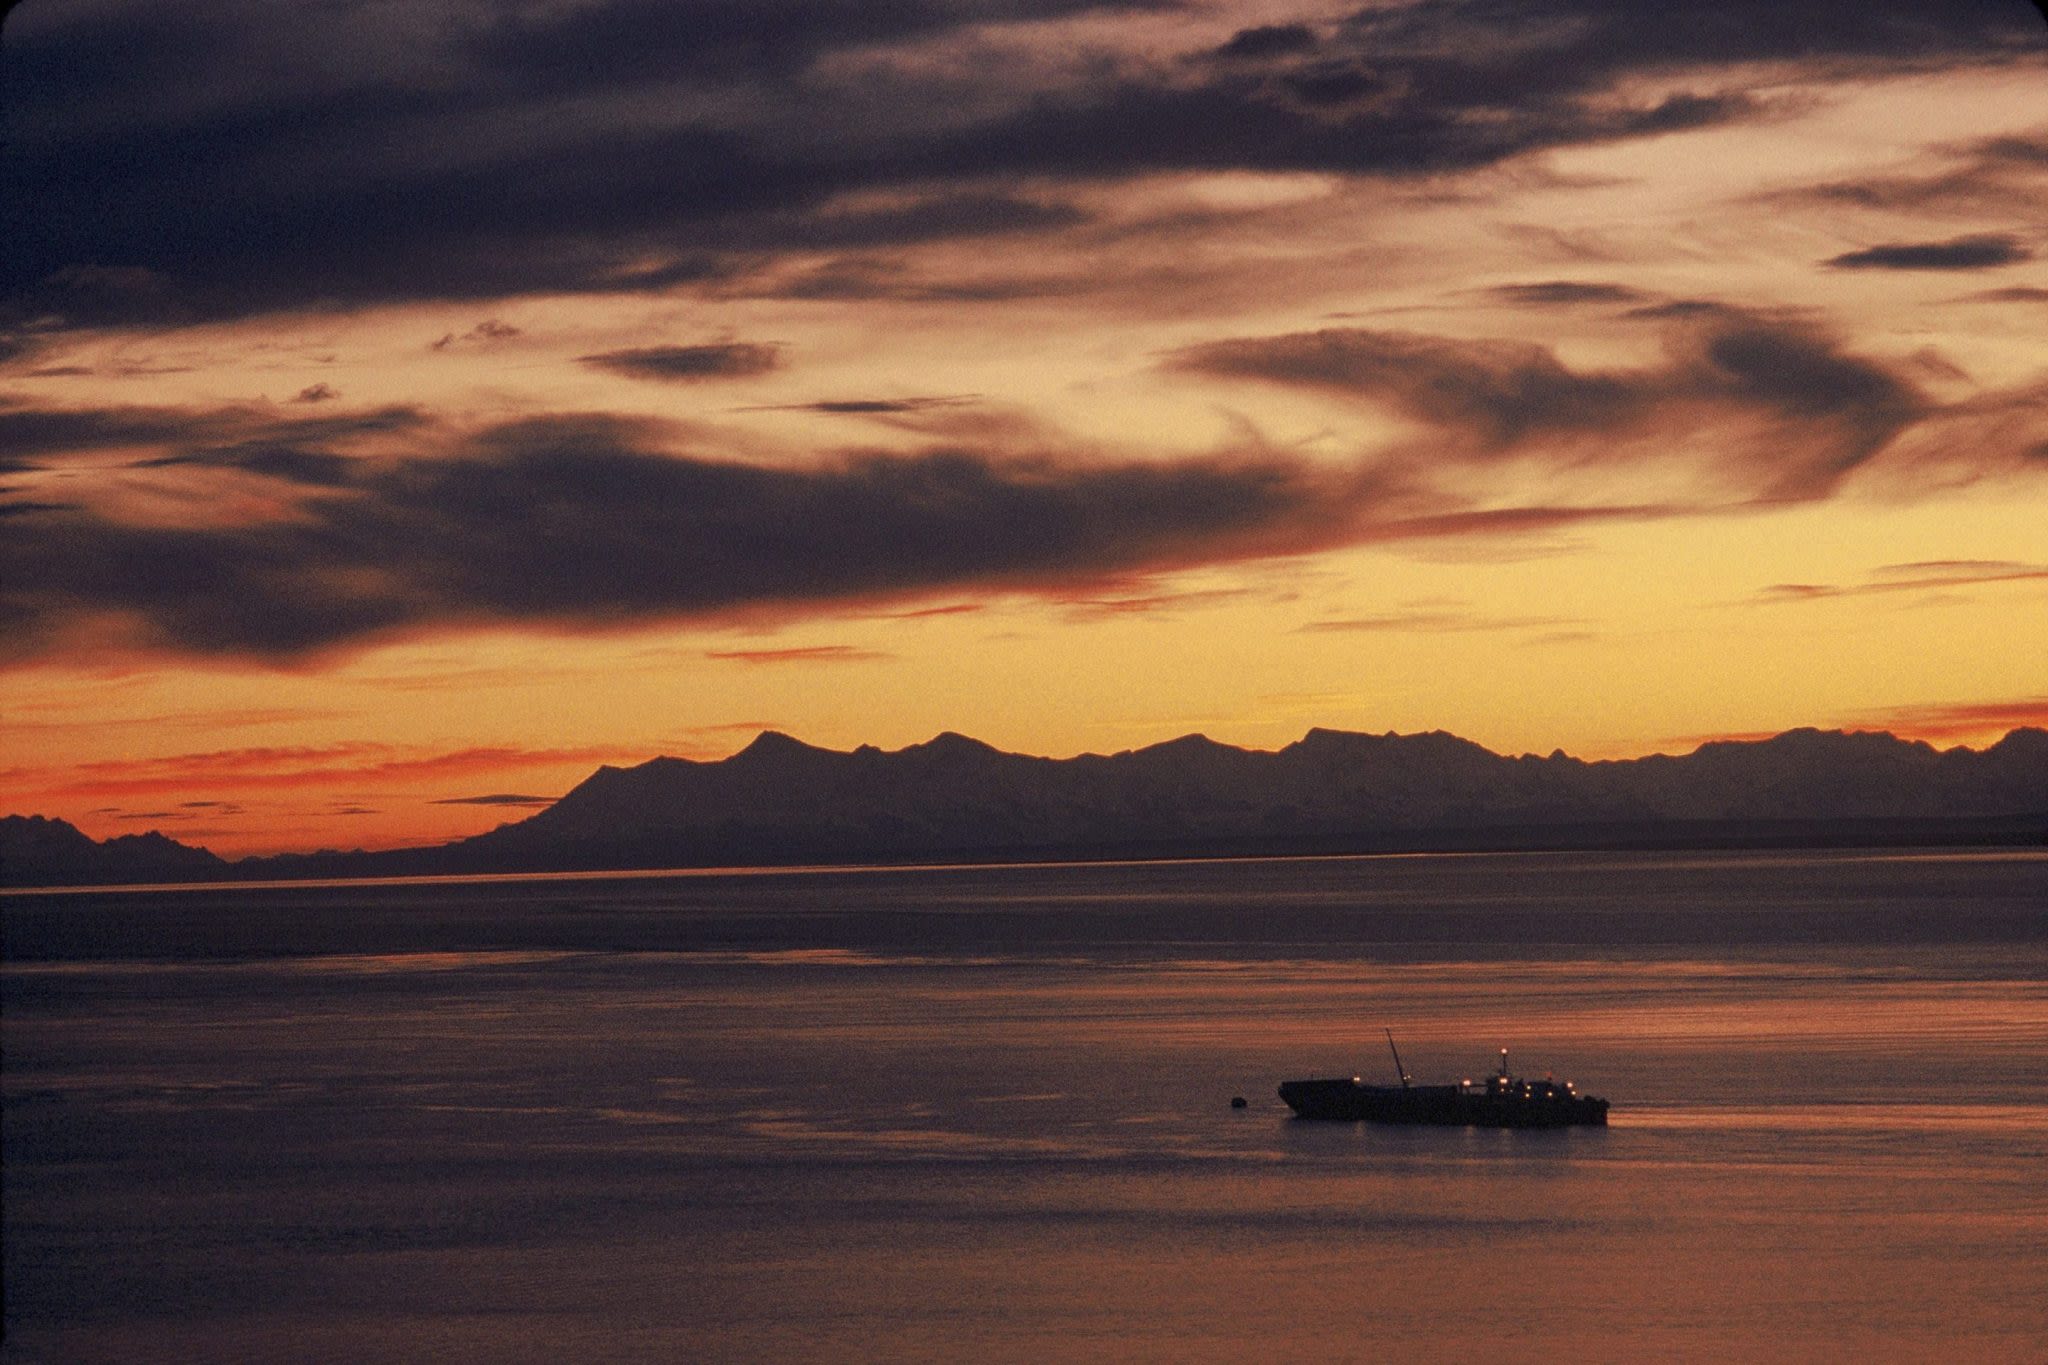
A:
[35,851]
[780,801]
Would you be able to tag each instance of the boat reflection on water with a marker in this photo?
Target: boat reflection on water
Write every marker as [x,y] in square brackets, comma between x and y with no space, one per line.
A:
[1501,1100]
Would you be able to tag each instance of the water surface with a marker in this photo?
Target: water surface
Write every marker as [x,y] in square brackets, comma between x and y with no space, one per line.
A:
[928,1113]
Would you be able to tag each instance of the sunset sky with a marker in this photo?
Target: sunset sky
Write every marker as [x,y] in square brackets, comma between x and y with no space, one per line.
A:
[405,408]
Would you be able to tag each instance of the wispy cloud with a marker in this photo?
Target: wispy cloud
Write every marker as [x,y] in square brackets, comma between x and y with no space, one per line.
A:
[1961,720]
[2001,175]
[1434,621]
[798,654]
[23,717]
[1097,606]
[1825,411]
[361,765]
[1925,576]
[1975,723]
[182,812]
[721,360]
[943,609]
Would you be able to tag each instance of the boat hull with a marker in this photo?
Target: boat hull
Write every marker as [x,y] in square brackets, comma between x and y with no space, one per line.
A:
[1344,1100]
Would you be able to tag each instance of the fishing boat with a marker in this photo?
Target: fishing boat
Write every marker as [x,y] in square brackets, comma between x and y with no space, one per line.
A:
[1502,1100]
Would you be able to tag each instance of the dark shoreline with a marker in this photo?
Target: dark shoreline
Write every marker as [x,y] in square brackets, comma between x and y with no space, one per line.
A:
[791,855]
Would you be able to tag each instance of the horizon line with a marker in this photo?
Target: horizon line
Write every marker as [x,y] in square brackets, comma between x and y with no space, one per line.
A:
[770,733]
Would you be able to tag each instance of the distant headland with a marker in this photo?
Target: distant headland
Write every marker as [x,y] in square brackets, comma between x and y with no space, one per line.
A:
[783,802]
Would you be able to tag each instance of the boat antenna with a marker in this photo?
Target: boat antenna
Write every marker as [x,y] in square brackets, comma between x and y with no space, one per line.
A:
[1397,1059]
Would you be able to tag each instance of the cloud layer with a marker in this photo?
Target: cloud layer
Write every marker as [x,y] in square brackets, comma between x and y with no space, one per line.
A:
[1793,413]
[578,523]
[159,164]
[391,522]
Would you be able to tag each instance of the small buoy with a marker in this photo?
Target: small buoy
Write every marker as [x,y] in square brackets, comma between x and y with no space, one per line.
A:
[1237,1101]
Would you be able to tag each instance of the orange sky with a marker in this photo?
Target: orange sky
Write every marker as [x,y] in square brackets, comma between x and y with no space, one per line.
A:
[1695,391]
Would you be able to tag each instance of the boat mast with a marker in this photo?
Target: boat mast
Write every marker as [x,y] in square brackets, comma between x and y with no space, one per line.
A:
[1401,1070]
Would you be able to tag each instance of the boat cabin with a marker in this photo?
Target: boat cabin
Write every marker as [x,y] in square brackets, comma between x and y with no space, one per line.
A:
[1501,1085]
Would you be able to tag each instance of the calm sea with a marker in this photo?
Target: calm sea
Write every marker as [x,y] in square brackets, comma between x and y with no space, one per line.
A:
[982,1113]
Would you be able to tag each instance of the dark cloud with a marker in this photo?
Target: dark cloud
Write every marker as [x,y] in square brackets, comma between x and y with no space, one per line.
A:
[1567,44]
[872,407]
[250,440]
[2016,150]
[483,334]
[389,419]
[1268,40]
[574,524]
[1242,122]
[168,164]
[308,468]
[577,47]
[210,206]
[721,360]
[1503,392]
[1564,293]
[1449,85]
[1332,83]
[47,431]
[607,43]
[496,799]
[2019,293]
[1827,412]
[858,279]
[316,393]
[927,218]
[1978,251]
[28,431]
